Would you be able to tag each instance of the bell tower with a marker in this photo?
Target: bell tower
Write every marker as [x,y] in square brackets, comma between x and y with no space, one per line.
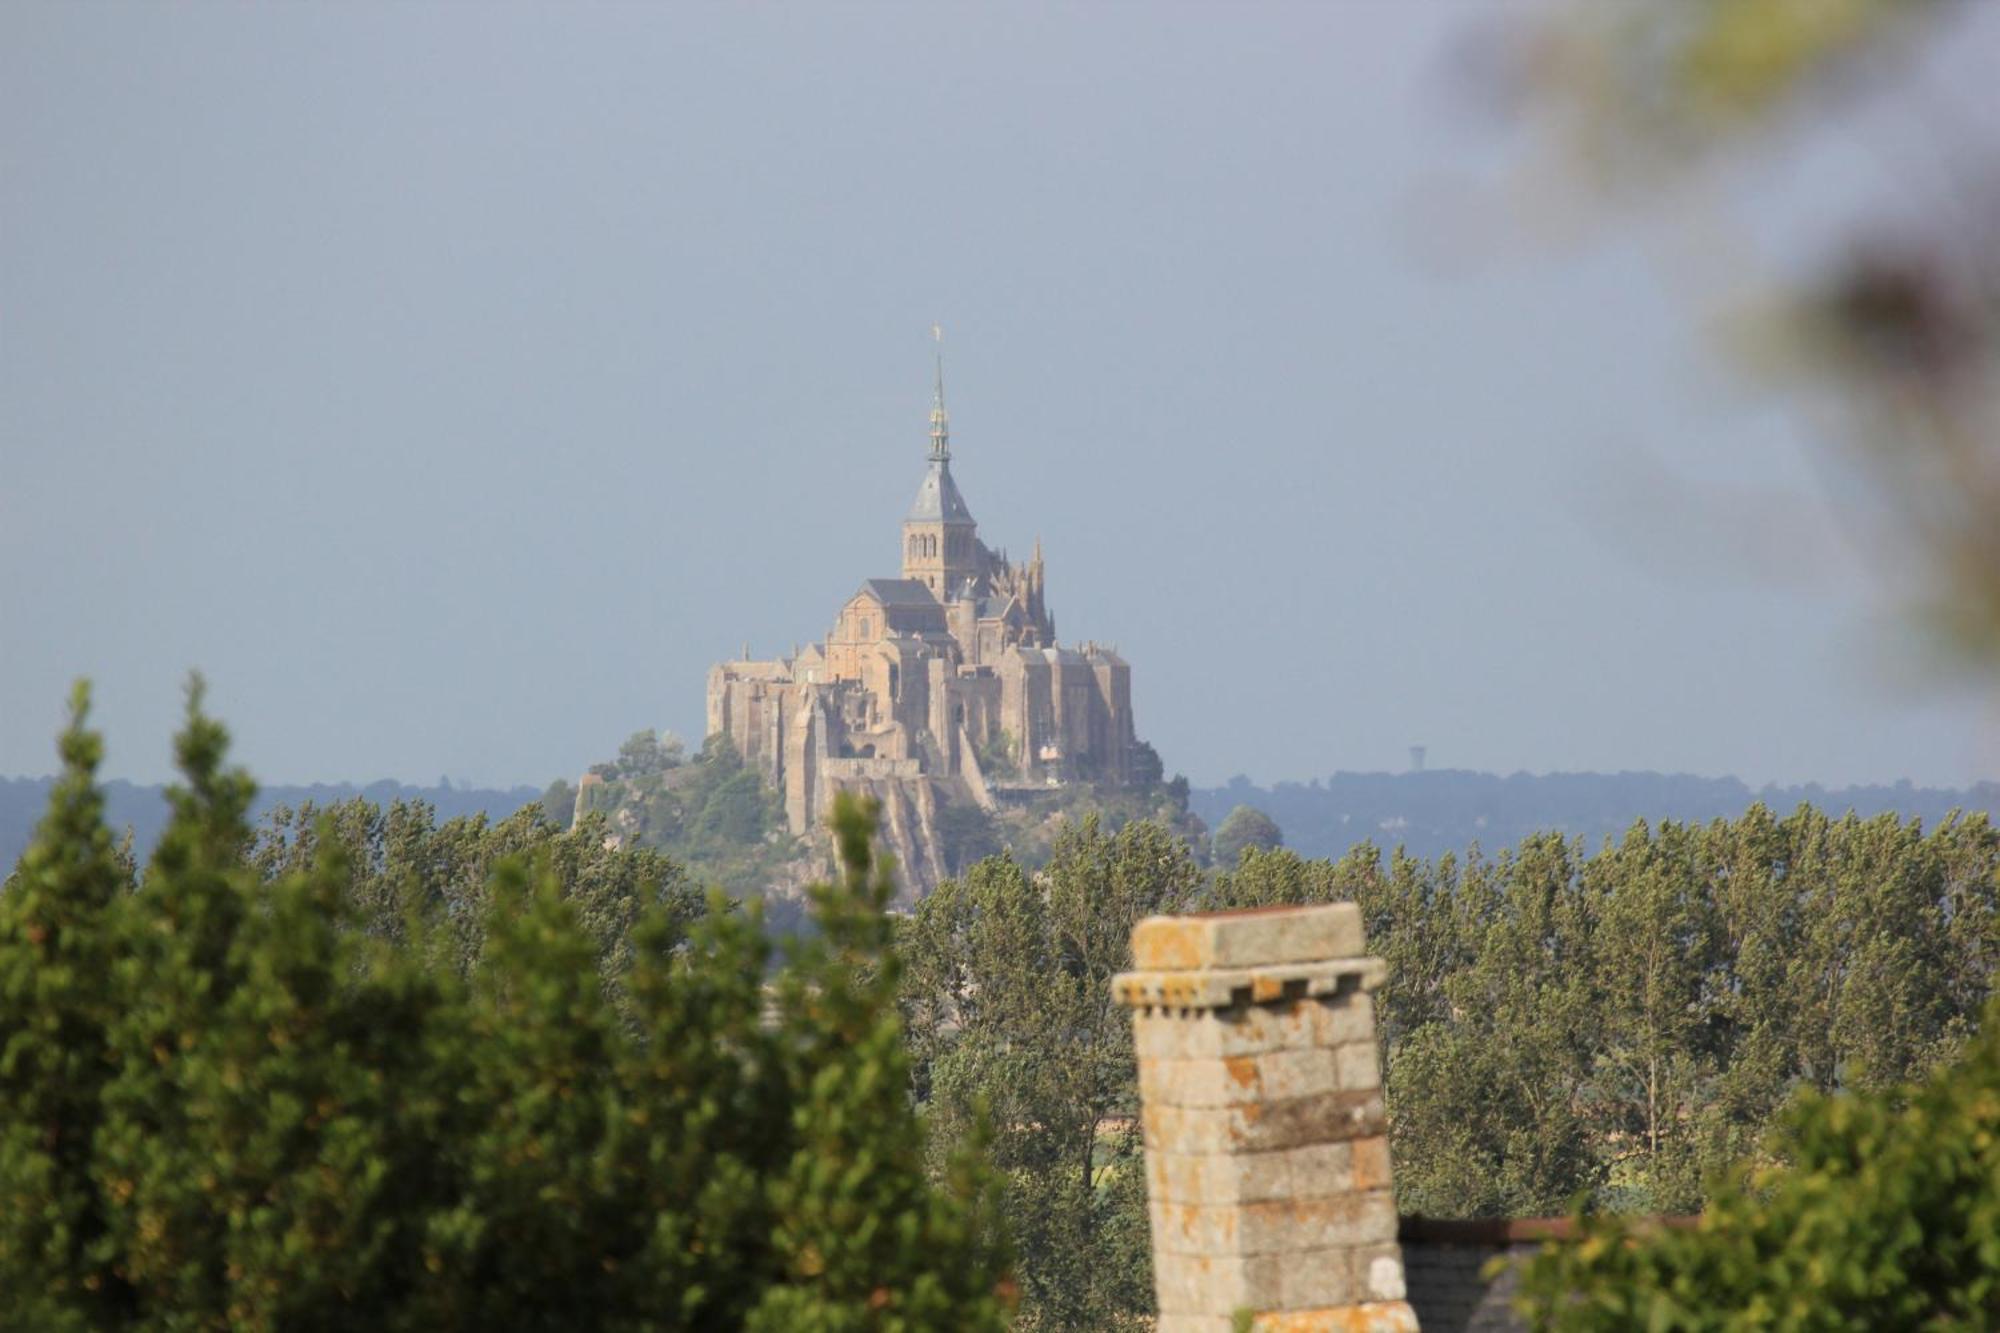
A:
[940,540]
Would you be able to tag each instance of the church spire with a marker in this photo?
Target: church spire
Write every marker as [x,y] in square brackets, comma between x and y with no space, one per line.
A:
[940,423]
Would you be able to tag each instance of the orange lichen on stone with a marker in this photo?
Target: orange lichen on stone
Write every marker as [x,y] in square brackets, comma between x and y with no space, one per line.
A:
[1169,943]
[1374,1317]
[1250,939]
[1371,1164]
[1267,1164]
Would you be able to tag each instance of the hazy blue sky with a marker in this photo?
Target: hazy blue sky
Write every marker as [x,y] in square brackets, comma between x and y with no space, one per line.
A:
[454,384]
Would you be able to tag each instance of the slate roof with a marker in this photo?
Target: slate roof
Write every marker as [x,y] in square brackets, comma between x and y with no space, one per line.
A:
[938,499]
[900,592]
[1047,653]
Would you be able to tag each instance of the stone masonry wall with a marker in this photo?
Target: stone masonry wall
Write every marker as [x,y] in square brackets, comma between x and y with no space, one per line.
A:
[1267,1161]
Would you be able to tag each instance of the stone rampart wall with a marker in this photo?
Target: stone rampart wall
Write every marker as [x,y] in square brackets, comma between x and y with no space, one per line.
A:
[858,770]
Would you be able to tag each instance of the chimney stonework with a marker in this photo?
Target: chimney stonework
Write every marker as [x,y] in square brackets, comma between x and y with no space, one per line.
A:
[1267,1161]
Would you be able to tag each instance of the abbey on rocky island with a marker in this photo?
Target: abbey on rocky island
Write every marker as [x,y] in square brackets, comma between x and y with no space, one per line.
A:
[944,683]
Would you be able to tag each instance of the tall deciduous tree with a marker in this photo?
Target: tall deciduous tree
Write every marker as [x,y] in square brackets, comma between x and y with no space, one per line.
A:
[402,868]
[1244,828]
[1013,1027]
[1628,1023]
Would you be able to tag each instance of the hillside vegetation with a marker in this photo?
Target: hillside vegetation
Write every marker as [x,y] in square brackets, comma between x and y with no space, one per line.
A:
[713,814]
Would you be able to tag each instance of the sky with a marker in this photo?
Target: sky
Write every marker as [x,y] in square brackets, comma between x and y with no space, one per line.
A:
[452,385]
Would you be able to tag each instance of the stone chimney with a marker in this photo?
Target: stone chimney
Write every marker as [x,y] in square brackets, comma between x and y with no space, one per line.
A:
[1267,1161]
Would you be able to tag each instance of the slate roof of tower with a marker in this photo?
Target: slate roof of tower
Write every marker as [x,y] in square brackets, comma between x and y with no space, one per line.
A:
[938,499]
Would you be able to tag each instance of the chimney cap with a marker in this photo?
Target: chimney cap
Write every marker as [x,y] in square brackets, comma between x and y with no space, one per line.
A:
[1248,937]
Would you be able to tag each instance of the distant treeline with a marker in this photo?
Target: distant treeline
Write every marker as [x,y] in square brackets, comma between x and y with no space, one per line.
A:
[144,809]
[1448,810]
[1427,814]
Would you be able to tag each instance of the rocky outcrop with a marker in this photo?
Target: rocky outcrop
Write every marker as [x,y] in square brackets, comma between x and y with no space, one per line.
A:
[907,831]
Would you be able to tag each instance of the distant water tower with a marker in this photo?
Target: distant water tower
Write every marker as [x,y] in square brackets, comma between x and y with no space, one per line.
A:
[1417,758]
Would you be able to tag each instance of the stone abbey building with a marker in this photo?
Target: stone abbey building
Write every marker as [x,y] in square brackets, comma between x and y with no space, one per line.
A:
[944,683]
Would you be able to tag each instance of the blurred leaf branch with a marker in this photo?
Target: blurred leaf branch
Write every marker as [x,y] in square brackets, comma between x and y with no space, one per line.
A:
[1894,321]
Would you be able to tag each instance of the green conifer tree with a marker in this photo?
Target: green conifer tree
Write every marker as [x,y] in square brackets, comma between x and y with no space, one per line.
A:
[173,984]
[242,1097]
[864,1239]
[57,943]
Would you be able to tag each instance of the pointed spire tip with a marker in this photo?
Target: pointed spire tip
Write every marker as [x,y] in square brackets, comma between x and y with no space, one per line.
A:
[940,422]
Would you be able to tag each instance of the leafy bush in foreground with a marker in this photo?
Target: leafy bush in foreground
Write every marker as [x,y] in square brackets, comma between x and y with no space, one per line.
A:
[1885,1214]
[222,1107]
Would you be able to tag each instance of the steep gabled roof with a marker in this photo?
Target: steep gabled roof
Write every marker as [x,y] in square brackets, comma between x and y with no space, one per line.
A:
[907,606]
[938,500]
[900,592]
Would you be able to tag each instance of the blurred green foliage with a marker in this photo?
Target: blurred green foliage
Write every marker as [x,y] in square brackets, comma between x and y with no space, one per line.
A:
[272,1085]
[1885,323]
[1882,1212]
[1872,1205]
[1633,91]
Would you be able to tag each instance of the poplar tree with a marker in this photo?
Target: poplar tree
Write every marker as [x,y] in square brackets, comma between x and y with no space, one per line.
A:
[1014,1028]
